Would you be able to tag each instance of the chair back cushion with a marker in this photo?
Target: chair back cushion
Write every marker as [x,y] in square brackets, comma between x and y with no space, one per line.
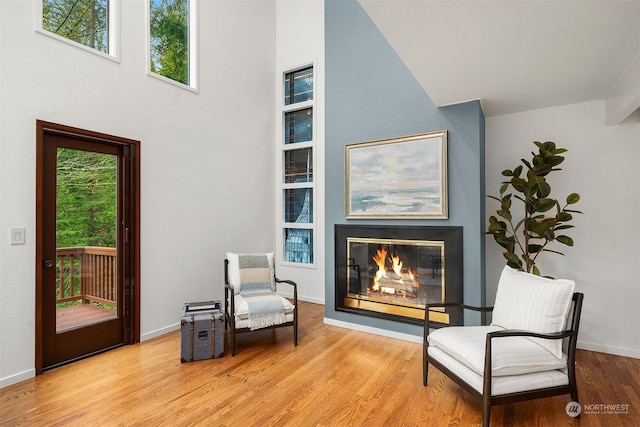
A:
[533,303]
[248,271]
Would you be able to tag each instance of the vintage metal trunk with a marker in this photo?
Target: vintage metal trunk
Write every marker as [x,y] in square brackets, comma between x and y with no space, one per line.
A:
[202,331]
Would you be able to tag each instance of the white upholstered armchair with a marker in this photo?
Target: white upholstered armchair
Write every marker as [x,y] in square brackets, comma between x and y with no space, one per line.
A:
[528,351]
[251,301]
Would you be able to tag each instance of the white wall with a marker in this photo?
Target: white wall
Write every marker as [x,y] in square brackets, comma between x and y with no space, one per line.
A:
[300,42]
[602,166]
[205,175]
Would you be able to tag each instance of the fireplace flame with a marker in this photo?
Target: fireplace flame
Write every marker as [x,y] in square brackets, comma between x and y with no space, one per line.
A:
[396,264]
[398,276]
[379,259]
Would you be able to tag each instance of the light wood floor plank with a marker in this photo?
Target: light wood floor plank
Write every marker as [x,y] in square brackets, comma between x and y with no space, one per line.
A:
[335,377]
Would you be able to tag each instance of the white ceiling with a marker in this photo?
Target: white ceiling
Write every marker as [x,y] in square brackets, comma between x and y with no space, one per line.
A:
[512,55]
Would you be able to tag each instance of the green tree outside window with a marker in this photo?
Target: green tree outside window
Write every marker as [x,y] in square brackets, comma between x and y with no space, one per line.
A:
[169,34]
[83,21]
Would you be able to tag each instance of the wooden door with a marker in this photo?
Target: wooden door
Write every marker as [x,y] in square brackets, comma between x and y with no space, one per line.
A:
[87,244]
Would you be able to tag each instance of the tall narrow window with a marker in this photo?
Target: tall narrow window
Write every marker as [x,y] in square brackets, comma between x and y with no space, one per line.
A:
[171,24]
[297,183]
[82,21]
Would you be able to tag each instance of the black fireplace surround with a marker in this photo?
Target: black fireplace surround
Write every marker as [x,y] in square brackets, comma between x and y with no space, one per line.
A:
[392,272]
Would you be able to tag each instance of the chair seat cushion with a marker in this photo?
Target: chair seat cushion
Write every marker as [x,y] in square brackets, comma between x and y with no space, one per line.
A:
[242,308]
[246,323]
[510,355]
[504,384]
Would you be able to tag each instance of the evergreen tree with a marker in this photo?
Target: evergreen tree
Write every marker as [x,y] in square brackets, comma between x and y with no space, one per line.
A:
[170,39]
[83,21]
[86,199]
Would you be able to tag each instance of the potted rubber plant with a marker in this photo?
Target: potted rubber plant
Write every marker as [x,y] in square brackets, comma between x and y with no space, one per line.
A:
[524,238]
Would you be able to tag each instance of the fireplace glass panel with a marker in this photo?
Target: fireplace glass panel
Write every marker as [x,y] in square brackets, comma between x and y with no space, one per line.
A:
[401,274]
[393,272]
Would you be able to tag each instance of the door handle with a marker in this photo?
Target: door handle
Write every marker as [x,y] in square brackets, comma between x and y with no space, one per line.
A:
[48,263]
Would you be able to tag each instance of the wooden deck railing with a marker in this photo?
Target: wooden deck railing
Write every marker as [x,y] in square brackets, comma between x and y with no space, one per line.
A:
[86,274]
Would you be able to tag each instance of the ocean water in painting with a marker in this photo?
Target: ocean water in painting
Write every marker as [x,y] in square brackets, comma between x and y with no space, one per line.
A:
[415,201]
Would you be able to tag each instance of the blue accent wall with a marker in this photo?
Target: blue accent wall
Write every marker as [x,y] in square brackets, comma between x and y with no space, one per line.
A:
[371,95]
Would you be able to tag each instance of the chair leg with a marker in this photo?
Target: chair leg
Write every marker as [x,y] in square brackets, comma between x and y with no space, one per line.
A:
[425,362]
[574,397]
[486,413]
[425,371]
[232,336]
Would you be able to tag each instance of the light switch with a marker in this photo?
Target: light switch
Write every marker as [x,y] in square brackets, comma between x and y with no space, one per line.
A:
[17,236]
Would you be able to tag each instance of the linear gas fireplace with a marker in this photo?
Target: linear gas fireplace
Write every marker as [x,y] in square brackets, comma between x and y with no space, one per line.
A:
[392,272]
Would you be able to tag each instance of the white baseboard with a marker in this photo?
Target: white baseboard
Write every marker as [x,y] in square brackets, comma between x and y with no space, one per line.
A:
[311,300]
[176,326]
[303,298]
[603,348]
[158,332]
[16,378]
[376,331]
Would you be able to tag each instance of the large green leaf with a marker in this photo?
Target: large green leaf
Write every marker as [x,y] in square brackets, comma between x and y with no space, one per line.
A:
[573,198]
[545,204]
[544,189]
[534,249]
[555,160]
[564,216]
[512,260]
[507,242]
[497,226]
[504,214]
[519,184]
[505,203]
[563,227]
[565,239]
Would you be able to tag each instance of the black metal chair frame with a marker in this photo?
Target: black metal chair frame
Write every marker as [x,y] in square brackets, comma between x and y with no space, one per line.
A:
[489,400]
[229,299]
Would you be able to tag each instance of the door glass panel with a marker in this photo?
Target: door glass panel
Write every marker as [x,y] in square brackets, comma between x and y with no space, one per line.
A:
[86,238]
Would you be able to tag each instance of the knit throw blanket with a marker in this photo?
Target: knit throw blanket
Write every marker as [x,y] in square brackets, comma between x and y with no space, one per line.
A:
[265,307]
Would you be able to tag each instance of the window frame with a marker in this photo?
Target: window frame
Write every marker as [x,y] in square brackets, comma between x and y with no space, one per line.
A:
[193,42]
[282,148]
[113,37]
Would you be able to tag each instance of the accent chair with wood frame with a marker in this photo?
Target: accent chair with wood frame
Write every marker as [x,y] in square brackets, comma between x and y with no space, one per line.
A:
[251,301]
[528,351]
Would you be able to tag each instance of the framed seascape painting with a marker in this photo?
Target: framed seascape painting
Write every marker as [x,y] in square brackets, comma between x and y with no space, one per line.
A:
[402,177]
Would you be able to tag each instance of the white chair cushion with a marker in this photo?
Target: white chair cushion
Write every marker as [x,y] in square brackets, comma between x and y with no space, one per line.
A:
[249,269]
[246,323]
[242,308]
[510,355]
[505,384]
[533,303]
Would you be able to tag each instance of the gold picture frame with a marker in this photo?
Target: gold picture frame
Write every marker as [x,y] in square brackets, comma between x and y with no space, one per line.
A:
[397,178]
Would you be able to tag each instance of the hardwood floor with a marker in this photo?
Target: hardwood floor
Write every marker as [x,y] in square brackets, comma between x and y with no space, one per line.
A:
[335,377]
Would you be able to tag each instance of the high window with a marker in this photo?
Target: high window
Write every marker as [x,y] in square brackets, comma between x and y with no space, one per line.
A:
[297,184]
[90,23]
[171,40]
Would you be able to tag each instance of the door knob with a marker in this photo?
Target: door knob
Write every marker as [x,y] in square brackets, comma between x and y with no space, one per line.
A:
[48,263]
